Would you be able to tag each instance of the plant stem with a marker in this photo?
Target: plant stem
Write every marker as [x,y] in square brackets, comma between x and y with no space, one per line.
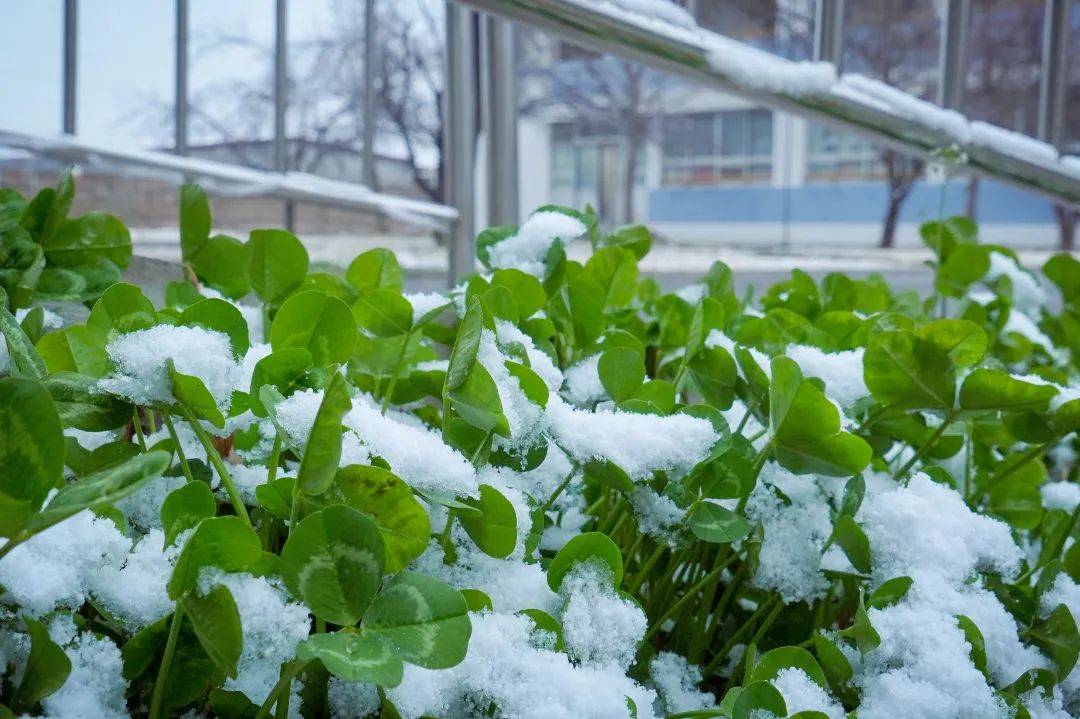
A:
[136,423]
[294,508]
[559,490]
[690,593]
[179,448]
[643,572]
[215,459]
[275,459]
[1028,456]
[166,661]
[765,607]
[393,377]
[922,450]
[288,673]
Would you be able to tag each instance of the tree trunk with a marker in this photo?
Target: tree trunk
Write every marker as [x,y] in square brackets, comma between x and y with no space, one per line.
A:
[1066,218]
[901,178]
[888,228]
[971,197]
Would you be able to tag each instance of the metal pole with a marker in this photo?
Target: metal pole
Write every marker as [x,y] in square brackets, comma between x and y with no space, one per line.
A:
[1052,78]
[460,136]
[281,89]
[500,118]
[180,107]
[71,35]
[829,32]
[369,94]
[951,61]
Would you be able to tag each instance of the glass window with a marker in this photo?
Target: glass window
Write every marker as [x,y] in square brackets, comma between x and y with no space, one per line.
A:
[717,147]
[834,155]
[783,28]
[126,74]
[895,41]
[31,54]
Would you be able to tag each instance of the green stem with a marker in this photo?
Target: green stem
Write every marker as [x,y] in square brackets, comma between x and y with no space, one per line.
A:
[136,422]
[924,448]
[266,322]
[559,490]
[393,377]
[166,661]
[179,448]
[1011,469]
[765,607]
[635,584]
[283,683]
[690,594]
[215,459]
[275,459]
[294,507]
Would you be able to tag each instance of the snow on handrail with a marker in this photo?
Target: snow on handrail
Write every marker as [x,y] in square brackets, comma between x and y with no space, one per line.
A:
[235,180]
[636,29]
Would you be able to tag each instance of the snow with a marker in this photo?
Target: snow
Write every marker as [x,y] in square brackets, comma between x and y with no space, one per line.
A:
[296,414]
[140,359]
[352,700]
[1024,326]
[1012,143]
[801,693]
[662,10]
[272,626]
[142,508]
[601,629]
[539,361]
[424,302]
[759,70]
[907,106]
[1027,295]
[1063,591]
[583,386]
[676,682]
[414,453]
[842,372]
[795,535]
[135,593]
[95,687]
[657,515]
[525,681]
[527,249]
[1067,394]
[511,584]
[523,417]
[639,443]
[1060,495]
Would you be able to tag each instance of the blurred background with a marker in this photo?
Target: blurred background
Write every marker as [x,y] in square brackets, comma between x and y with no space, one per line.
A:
[282,86]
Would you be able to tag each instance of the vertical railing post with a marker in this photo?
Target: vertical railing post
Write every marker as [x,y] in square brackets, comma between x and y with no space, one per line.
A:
[951,61]
[829,32]
[500,121]
[370,178]
[459,144]
[71,36]
[180,100]
[281,90]
[1052,78]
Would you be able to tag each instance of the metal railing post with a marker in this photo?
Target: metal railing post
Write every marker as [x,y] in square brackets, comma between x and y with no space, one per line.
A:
[369,94]
[460,136]
[70,66]
[951,61]
[500,121]
[829,32]
[281,99]
[180,100]
[1052,77]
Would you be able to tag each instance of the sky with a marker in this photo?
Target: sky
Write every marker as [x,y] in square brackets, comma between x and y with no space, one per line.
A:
[126,61]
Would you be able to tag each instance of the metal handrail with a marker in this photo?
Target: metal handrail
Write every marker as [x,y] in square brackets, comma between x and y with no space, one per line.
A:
[236,180]
[918,128]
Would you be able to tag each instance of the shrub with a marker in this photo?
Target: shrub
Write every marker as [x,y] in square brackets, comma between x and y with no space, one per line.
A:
[556,491]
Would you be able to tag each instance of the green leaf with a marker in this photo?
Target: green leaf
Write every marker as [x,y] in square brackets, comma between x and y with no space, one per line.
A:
[890,592]
[333,561]
[495,532]
[216,622]
[74,349]
[47,668]
[122,309]
[909,372]
[861,630]
[401,519]
[31,443]
[759,699]
[185,507]
[622,370]
[636,238]
[974,638]
[373,270]
[1064,271]
[851,538]
[219,316]
[283,370]
[321,324]
[774,661]
[1057,636]
[424,619]
[805,427]
[477,401]
[322,453]
[528,293]
[276,497]
[220,263]
[609,474]
[833,662]
[466,344]
[83,406]
[102,488]
[194,220]
[25,360]
[276,264]
[987,388]
[963,341]
[534,387]
[87,240]
[615,270]
[586,547]
[224,542]
[190,392]
[712,523]
[355,657]
[383,313]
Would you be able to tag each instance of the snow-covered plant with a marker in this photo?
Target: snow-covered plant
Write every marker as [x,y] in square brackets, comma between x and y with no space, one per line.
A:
[556,491]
